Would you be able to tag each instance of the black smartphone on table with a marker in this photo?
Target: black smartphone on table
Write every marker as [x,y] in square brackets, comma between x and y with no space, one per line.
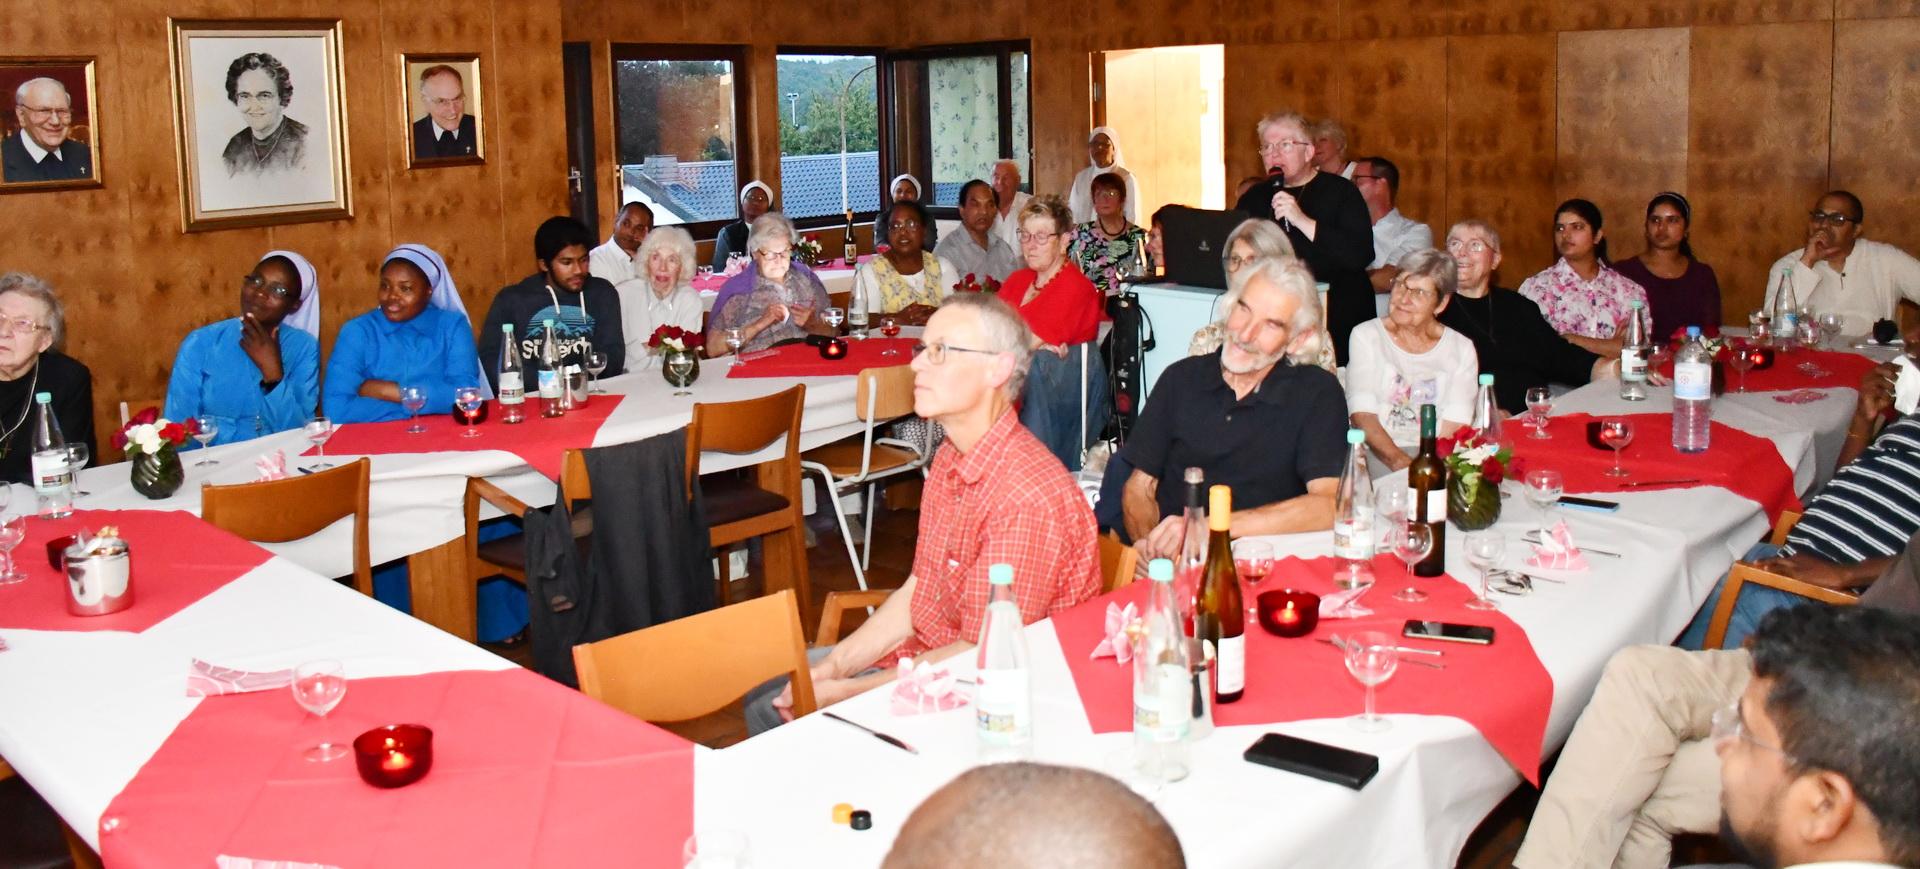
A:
[1479,635]
[1327,763]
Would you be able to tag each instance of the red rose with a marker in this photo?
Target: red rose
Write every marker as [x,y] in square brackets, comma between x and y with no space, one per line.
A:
[1491,471]
[1444,446]
[145,417]
[193,425]
[1518,467]
[120,441]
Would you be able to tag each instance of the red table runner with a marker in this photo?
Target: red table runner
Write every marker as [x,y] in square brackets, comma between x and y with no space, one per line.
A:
[177,560]
[1501,689]
[539,441]
[1836,368]
[803,360]
[1747,464]
[525,773]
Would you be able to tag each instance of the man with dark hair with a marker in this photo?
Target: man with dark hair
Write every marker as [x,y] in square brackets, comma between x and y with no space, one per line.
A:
[1838,272]
[1035,816]
[613,259]
[585,310]
[446,130]
[977,250]
[1394,234]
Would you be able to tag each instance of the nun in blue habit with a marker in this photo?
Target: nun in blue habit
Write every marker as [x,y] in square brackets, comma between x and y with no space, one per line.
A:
[257,373]
[418,335]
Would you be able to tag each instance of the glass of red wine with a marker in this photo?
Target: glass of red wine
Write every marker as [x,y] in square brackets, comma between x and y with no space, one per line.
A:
[890,327]
[1253,560]
[468,402]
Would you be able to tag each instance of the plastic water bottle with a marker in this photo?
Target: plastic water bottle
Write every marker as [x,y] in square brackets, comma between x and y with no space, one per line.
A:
[1162,684]
[1486,410]
[52,468]
[1353,517]
[1003,695]
[513,386]
[1786,313]
[1692,395]
[1635,346]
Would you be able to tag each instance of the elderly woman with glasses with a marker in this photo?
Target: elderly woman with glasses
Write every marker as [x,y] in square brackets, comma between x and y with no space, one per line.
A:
[1409,358]
[1064,310]
[32,329]
[775,300]
[257,373]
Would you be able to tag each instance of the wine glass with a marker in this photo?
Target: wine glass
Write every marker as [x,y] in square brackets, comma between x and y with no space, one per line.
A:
[1830,326]
[469,401]
[318,686]
[1410,542]
[679,365]
[1544,488]
[1617,433]
[1539,401]
[318,429]
[77,454]
[596,362]
[206,428]
[890,327]
[413,398]
[1372,656]
[1253,560]
[735,340]
[13,529]
[1742,361]
[833,317]
[704,272]
[1484,551]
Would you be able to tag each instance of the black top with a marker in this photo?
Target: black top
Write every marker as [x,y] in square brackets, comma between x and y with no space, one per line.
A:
[1340,251]
[589,318]
[72,387]
[731,240]
[428,147]
[1516,345]
[17,165]
[1268,446]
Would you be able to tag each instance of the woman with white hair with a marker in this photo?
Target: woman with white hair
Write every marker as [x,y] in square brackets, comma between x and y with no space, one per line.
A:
[664,294]
[257,373]
[775,300]
[1409,358]
[755,199]
[1103,156]
[33,328]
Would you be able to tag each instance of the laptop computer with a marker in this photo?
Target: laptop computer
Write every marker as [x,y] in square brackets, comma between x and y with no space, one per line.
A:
[1195,241]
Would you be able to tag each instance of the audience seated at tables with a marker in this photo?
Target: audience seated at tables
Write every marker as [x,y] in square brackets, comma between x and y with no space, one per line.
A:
[1013,200]
[584,309]
[906,188]
[617,260]
[1250,415]
[1325,220]
[33,329]
[1644,762]
[993,496]
[906,280]
[257,373]
[1581,296]
[1035,816]
[1103,157]
[1840,272]
[1394,234]
[774,300]
[1681,290]
[1408,359]
[663,294]
[979,250]
[1107,245]
[1510,337]
[418,335]
[756,199]
[1064,311]
[1330,149]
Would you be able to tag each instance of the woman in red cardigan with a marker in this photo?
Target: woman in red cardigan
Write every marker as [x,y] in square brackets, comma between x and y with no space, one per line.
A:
[1064,310]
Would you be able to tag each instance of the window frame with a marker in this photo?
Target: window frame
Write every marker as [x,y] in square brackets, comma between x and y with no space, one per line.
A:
[1002,52]
[882,100]
[735,54]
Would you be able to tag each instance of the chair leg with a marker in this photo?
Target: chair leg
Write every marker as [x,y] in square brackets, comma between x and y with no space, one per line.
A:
[872,508]
[846,533]
[725,580]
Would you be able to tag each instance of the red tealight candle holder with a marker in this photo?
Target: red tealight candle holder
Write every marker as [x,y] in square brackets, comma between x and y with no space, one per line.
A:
[1288,612]
[834,349]
[395,755]
[1762,358]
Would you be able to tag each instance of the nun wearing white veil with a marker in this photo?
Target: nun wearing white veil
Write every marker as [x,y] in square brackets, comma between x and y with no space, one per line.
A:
[1103,155]
[257,373]
[418,335]
[755,199]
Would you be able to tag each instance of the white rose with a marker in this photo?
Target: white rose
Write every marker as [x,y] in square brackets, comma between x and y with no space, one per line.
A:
[147,439]
[1479,454]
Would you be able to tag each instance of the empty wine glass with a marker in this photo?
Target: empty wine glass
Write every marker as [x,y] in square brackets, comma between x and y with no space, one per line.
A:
[1253,560]
[1539,401]
[318,429]
[833,317]
[704,272]
[1741,358]
[1410,542]
[413,398]
[735,340]
[1484,551]
[1544,488]
[1372,656]
[596,362]
[469,401]
[1617,433]
[206,428]
[1391,505]
[679,365]
[318,686]
[13,529]
[1830,326]
[77,455]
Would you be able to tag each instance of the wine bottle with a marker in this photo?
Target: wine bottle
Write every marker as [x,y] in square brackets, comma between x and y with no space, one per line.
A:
[1192,566]
[1219,618]
[513,384]
[850,245]
[1427,480]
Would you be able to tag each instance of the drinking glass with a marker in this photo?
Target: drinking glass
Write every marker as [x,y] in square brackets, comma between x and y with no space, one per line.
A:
[704,272]
[890,327]
[680,365]
[318,686]
[1372,656]
[469,401]
[13,529]
[1616,433]
[717,849]
[1253,560]
[1742,361]
[1830,326]
[1410,542]
[318,429]
[1484,551]
[1539,401]
[735,340]
[413,398]
[1544,488]
[596,363]
[833,317]
[207,428]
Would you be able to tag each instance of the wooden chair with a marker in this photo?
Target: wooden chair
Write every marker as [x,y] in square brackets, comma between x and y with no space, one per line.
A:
[882,395]
[1744,574]
[1118,562]
[507,556]
[767,506]
[276,511]
[693,666]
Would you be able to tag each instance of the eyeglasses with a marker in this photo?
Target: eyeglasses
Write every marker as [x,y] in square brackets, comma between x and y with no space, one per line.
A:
[904,224]
[256,283]
[18,325]
[1830,218]
[1036,237]
[1108,193]
[937,353]
[770,255]
[43,114]
[1277,147]
[1457,247]
[1419,294]
[1727,725]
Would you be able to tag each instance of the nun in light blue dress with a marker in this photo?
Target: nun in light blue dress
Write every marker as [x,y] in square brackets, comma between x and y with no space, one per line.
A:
[257,373]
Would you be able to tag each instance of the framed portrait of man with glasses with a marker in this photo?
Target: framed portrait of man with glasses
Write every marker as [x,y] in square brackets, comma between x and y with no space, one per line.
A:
[52,135]
[441,95]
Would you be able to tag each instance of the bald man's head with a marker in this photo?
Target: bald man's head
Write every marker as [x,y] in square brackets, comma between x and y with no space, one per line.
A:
[1021,815]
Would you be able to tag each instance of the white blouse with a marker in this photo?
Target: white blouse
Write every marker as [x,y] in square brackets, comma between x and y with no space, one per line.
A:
[1391,383]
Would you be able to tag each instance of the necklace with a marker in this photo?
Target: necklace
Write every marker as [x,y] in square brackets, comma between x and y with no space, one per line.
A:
[26,407]
[273,141]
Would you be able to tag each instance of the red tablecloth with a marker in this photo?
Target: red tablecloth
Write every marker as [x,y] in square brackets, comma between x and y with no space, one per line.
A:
[1748,465]
[1500,689]
[177,560]
[1838,368]
[803,360]
[525,773]
[539,441]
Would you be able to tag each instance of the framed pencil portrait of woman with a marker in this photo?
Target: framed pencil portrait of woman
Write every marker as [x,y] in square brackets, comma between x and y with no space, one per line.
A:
[261,120]
[53,133]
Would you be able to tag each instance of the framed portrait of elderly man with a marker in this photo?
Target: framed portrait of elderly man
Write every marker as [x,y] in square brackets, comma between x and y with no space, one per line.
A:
[441,96]
[261,118]
[52,131]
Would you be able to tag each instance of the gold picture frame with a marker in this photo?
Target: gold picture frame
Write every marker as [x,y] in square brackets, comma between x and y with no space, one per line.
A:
[280,83]
[59,151]
[436,89]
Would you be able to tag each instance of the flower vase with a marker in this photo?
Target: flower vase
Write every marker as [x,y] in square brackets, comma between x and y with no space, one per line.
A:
[157,474]
[1472,504]
[667,368]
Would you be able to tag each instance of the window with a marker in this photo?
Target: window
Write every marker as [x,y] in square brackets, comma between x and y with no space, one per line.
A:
[829,158]
[962,109]
[676,123]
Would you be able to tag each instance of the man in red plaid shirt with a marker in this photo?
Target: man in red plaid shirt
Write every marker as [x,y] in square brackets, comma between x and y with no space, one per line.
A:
[995,495]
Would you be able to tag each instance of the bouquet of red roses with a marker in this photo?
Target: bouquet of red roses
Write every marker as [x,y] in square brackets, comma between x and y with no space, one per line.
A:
[675,339]
[1471,458]
[147,432]
[974,284]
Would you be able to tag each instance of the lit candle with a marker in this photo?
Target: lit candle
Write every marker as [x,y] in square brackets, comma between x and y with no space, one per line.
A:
[1288,616]
[395,755]
[396,761]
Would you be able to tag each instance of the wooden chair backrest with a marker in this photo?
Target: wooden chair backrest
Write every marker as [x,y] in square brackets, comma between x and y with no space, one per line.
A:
[276,511]
[693,666]
[1783,526]
[748,426]
[1118,561]
[890,389]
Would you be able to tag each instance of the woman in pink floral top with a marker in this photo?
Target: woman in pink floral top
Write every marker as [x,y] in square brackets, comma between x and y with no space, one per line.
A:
[1581,296]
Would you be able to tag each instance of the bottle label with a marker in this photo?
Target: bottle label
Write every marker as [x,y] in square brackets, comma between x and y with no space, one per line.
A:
[1353,538]
[1436,504]
[1693,381]
[549,383]
[1633,364]
[51,471]
[852,253]
[1230,665]
[513,388]
[1003,707]
[1163,705]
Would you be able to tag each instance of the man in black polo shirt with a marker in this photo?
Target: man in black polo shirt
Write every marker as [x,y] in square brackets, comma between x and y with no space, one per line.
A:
[1248,416]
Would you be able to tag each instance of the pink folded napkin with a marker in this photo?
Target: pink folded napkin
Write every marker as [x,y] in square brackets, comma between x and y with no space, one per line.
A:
[1800,396]
[1336,605]
[225,862]
[3,644]
[922,688]
[1117,640]
[272,466]
[1556,550]
[207,680]
[751,355]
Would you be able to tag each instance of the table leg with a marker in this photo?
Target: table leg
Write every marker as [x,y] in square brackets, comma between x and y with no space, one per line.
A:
[444,593]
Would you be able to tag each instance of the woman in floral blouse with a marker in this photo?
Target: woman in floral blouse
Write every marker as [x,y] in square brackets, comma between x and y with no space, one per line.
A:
[1581,296]
[1105,246]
